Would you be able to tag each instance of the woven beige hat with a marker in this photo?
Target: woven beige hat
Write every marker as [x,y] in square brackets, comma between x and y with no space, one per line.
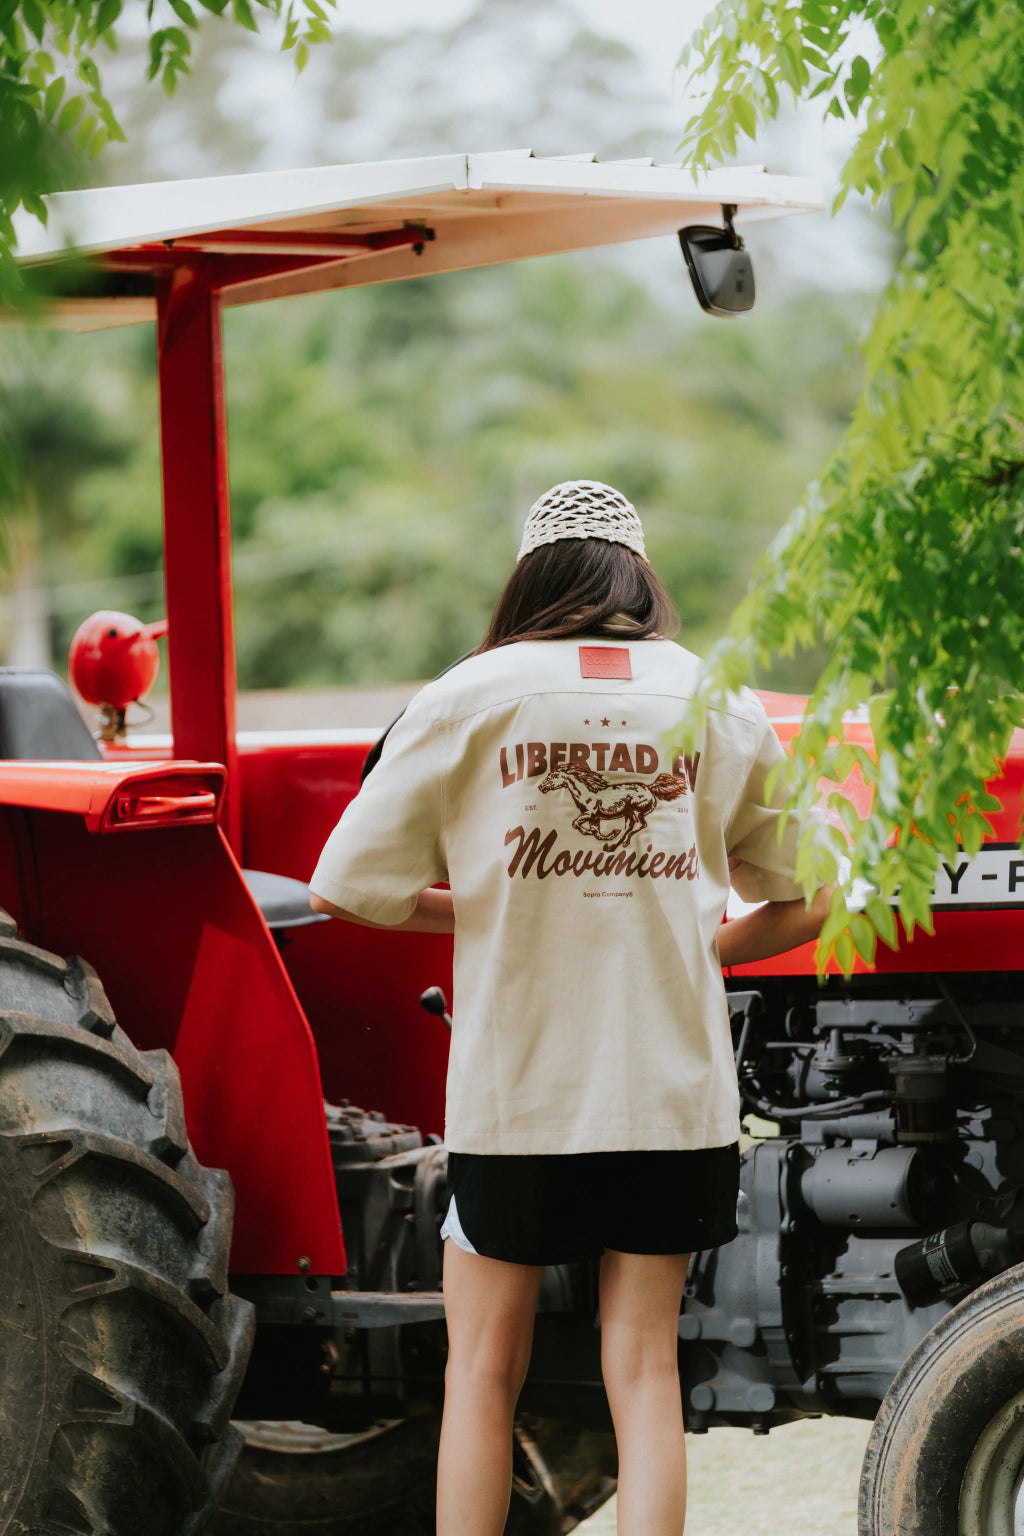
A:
[582,509]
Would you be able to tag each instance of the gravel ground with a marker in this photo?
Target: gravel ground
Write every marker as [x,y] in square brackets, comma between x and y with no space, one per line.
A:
[801,1479]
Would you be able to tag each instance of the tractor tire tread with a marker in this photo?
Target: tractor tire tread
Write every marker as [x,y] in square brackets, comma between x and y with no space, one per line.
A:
[170,1144]
[937,1406]
[120,1261]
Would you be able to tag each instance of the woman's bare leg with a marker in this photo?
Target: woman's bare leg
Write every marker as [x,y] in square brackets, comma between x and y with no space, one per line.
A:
[490,1308]
[640,1299]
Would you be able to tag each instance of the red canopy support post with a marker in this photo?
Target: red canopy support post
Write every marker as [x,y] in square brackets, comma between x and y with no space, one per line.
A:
[197,528]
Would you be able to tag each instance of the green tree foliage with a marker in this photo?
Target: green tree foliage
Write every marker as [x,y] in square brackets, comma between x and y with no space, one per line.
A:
[386,442]
[404,431]
[53,108]
[906,557]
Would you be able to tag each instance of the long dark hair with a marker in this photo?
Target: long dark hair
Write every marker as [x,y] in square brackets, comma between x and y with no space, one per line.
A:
[581,587]
[572,587]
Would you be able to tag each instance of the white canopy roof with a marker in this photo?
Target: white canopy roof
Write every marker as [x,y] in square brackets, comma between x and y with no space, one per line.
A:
[276,233]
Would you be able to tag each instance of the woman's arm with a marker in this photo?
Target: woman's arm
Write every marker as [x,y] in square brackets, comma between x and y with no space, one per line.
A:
[773,928]
[433,913]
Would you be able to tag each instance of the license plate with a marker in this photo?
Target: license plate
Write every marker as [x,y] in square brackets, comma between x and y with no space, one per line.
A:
[993,877]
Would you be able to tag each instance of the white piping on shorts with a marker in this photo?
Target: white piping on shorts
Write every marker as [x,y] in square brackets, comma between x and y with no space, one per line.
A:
[453,1228]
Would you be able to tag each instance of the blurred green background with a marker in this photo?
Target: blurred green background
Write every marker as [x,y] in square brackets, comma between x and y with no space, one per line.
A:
[386,442]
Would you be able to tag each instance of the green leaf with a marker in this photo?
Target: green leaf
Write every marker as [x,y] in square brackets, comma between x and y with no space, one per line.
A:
[185,13]
[862,933]
[972,833]
[241,10]
[157,43]
[745,116]
[860,76]
[52,98]
[881,914]
[35,205]
[107,14]
[887,29]
[84,132]
[69,114]
[793,71]
[845,953]
[35,18]
[915,905]
[907,146]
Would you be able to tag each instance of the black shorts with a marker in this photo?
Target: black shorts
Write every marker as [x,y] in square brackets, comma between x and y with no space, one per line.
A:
[559,1208]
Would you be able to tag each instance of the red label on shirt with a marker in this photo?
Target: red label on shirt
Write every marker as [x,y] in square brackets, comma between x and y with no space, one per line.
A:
[604,661]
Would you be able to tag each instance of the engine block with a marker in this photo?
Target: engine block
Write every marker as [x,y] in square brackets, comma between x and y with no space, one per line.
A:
[888,1192]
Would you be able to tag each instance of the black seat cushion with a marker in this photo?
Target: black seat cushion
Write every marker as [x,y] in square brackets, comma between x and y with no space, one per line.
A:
[38,718]
[284,902]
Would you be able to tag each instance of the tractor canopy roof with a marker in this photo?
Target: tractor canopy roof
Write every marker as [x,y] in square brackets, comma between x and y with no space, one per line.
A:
[274,233]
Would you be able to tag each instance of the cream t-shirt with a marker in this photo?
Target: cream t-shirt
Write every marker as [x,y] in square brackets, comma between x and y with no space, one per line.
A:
[589,873]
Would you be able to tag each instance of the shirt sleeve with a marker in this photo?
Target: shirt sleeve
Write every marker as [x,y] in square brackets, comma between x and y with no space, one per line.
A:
[768,861]
[389,844]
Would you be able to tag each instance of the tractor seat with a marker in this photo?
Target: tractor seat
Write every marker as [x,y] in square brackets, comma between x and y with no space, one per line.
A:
[284,902]
[38,719]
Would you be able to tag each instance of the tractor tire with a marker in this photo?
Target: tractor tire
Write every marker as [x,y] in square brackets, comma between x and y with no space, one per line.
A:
[297,1480]
[946,1454]
[121,1350]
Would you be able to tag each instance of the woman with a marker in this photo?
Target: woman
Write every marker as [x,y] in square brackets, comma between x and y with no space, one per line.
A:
[592,1107]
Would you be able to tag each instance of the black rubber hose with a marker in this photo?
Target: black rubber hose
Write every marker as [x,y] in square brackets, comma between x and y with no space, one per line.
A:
[814,1111]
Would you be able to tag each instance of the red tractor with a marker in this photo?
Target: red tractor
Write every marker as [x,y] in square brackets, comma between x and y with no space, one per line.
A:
[147,1298]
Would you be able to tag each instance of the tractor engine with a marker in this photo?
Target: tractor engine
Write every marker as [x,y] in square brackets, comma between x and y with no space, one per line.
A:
[890,1190]
[317,1361]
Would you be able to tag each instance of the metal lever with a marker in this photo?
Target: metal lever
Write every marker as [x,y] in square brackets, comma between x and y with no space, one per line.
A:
[434,1001]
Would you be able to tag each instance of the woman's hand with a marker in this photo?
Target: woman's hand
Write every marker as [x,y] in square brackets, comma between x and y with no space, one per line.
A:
[772,929]
[433,913]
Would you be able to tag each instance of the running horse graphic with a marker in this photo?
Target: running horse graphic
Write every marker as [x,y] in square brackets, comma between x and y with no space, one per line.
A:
[599,800]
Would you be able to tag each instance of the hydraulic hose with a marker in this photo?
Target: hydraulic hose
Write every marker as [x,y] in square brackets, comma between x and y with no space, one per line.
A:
[814,1111]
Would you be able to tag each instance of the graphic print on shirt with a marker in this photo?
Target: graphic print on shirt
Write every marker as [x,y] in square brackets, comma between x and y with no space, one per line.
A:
[601,801]
[611,810]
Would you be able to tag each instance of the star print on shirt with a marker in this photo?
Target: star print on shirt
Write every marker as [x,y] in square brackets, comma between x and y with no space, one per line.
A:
[586,722]
[623,722]
[606,722]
